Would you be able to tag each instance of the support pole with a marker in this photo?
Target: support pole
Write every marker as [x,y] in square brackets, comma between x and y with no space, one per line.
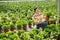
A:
[58,11]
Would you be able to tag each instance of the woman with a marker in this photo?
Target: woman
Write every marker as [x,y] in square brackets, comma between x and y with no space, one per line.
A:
[39,19]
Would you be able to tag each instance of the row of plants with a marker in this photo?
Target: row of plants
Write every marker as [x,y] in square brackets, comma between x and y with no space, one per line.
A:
[51,32]
[12,12]
[23,9]
[15,25]
[15,17]
[8,24]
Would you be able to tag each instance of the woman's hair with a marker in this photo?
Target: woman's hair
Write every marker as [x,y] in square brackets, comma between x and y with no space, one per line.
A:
[35,8]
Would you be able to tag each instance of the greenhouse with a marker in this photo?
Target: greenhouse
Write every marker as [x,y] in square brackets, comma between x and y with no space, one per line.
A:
[18,20]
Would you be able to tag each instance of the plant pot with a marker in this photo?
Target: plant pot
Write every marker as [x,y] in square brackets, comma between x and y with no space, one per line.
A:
[12,29]
[5,30]
[18,28]
[24,28]
[30,25]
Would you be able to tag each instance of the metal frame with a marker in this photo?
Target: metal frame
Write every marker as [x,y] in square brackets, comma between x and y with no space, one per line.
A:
[58,11]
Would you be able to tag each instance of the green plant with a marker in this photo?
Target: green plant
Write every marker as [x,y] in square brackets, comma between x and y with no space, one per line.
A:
[13,21]
[5,27]
[20,32]
[35,31]
[10,33]
[58,25]
[6,23]
[12,25]
[24,36]
[24,23]
[4,18]
[37,37]
[52,20]
[14,37]
[30,21]
[4,39]
[0,24]
[13,17]
[4,35]
[19,25]
[31,34]
[21,13]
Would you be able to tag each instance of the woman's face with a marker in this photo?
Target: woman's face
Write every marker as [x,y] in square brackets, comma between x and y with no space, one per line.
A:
[37,10]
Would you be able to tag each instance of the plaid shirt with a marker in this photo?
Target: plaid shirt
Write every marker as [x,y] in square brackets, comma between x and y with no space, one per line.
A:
[38,17]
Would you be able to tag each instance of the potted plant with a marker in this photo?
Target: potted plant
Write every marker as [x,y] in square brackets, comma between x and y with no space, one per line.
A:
[4,18]
[30,22]
[31,34]
[13,17]
[5,28]
[52,21]
[37,37]
[14,37]
[24,25]
[19,26]
[24,36]
[12,27]
[13,21]
[57,32]
[20,32]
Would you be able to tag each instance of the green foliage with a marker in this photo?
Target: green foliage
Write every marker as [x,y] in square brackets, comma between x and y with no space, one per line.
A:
[19,25]
[30,21]
[52,20]
[14,21]
[4,18]
[20,14]
[37,37]
[24,36]
[0,24]
[13,37]
[5,27]
[24,23]
[20,32]
[12,25]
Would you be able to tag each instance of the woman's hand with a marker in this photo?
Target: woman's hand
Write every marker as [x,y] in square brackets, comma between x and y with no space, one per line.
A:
[37,22]
[40,22]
